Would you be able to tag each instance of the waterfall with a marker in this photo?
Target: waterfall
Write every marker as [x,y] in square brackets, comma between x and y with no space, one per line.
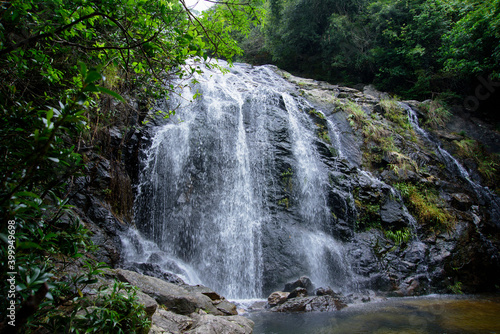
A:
[234,192]
[484,195]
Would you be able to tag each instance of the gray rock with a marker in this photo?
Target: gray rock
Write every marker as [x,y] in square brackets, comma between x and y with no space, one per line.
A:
[298,292]
[150,305]
[325,304]
[169,322]
[154,270]
[278,297]
[324,291]
[303,282]
[203,290]
[391,212]
[461,201]
[311,304]
[209,324]
[415,252]
[174,297]
[226,307]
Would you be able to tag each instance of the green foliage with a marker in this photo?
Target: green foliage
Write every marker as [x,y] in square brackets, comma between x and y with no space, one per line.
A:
[284,202]
[317,114]
[356,115]
[322,133]
[400,237]
[379,136]
[287,180]
[115,310]
[488,164]
[396,114]
[62,63]
[368,216]
[401,164]
[456,288]
[413,48]
[425,205]
[471,46]
[437,113]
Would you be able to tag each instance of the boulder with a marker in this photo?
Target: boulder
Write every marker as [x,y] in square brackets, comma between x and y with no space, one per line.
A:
[209,324]
[169,322]
[226,307]
[298,292]
[150,305]
[311,304]
[277,298]
[154,270]
[203,290]
[174,297]
[326,303]
[293,305]
[303,282]
[415,252]
[324,292]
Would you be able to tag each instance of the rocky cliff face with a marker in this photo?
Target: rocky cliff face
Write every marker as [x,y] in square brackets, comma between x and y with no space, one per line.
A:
[408,219]
[450,241]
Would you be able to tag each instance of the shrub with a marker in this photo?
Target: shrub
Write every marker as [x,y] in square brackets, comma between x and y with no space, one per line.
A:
[425,205]
[114,309]
[437,113]
[487,163]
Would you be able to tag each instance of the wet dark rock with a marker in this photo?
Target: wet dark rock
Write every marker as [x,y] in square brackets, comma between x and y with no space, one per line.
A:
[297,292]
[364,252]
[154,270]
[415,252]
[324,291]
[412,286]
[102,176]
[461,201]
[311,304]
[381,282]
[280,260]
[302,282]
[391,212]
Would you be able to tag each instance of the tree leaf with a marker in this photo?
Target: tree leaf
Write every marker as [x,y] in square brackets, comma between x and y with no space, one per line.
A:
[110,92]
[92,76]
[83,69]
[91,88]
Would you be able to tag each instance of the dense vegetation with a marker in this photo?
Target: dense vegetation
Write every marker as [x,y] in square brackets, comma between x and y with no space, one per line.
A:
[415,48]
[64,65]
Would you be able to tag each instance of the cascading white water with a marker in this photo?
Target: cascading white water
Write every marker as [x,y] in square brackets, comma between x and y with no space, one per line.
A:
[484,194]
[334,132]
[212,193]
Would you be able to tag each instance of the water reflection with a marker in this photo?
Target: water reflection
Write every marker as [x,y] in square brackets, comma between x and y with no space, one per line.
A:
[432,314]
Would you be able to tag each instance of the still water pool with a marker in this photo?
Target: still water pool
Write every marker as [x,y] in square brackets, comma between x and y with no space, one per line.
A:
[431,314]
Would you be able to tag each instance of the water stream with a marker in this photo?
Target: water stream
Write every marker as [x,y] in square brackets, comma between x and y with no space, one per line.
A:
[234,188]
[423,315]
